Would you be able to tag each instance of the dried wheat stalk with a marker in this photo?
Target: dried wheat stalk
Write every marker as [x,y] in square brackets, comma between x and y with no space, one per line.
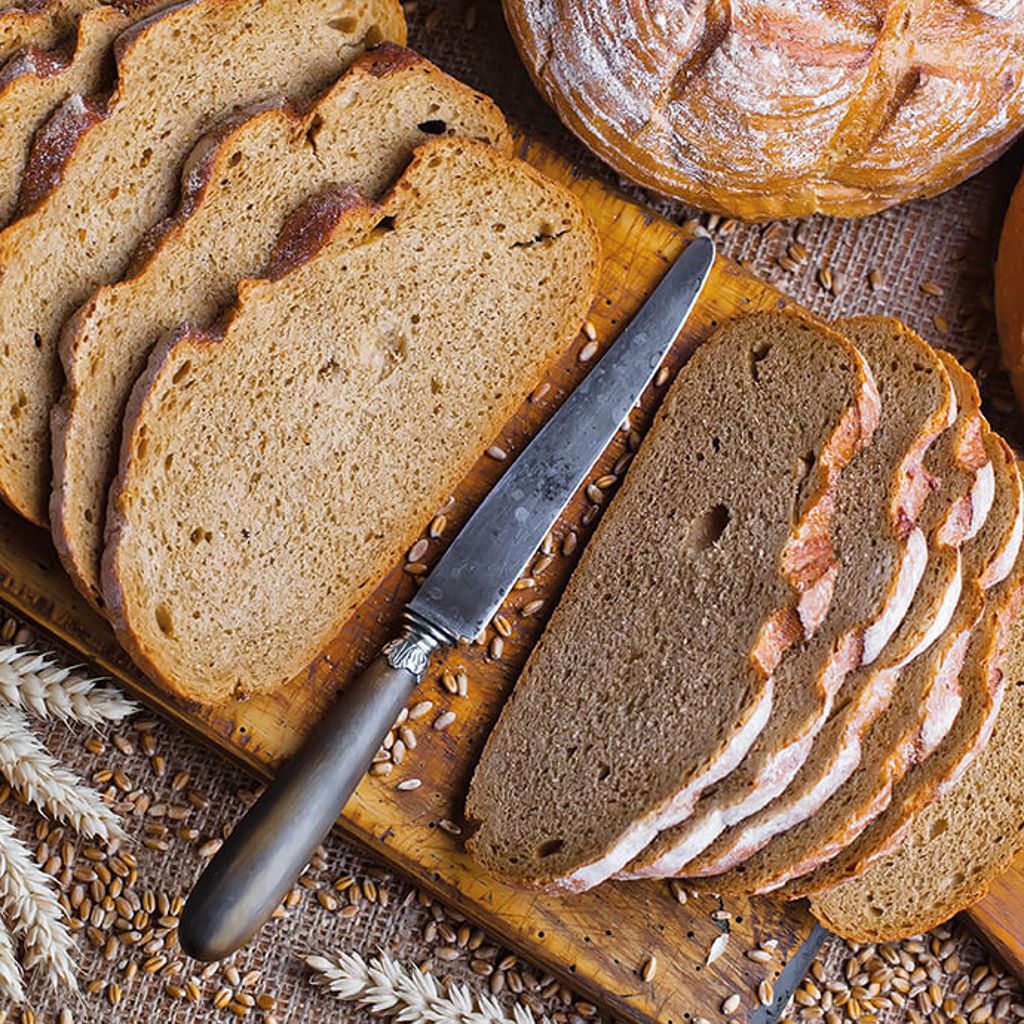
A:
[388,989]
[30,906]
[34,682]
[44,781]
[10,969]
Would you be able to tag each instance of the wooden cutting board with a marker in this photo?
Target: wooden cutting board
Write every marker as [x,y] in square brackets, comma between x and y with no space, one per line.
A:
[597,941]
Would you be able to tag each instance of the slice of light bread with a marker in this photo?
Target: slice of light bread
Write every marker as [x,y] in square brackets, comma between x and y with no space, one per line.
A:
[988,560]
[653,678]
[104,169]
[879,501]
[35,81]
[41,23]
[275,466]
[239,186]
[964,838]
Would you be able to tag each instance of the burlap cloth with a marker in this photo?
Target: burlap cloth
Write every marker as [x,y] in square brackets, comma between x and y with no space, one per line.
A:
[933,261]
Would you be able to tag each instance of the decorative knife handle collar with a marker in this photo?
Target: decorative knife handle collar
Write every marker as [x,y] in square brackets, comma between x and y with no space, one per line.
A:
[411,650]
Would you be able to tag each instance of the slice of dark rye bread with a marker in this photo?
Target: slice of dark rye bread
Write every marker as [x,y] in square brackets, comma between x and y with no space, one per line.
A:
[932,686]
[238,187]
[980,687]
[104,169]
[802,708]
[878,502]
[962,839]
[654,676]
[275,466]
[38,23]
[35,81]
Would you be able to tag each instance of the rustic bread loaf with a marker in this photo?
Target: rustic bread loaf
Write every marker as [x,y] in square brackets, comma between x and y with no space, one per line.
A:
[275,466]
[1008,292]
[239,186]
[780,109]
[105,169]
[878,502]
[980,692]
[654,676]
[962,840]
[40,23]
[34,81]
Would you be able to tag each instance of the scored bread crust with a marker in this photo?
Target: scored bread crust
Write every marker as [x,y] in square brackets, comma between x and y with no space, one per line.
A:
[852,430]
[34,81]
[828,746]
[106,167]
[1009,272]
[547,238]
[982,692]
[935,692]
[105,344]
[774,110]
[963,834]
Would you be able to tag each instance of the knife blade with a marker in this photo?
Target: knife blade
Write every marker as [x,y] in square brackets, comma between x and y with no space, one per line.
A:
[260,861]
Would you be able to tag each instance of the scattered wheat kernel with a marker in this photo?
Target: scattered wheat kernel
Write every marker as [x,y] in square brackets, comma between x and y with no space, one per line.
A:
[731,1004]
[876,279]
[569,543]
[765,993]
[650,968]
[418,550]
[531,608]
[941,323]
[501,626]
[497,647]
[409,784]
[588,352]
[450,827]
[420,709]
[443,720]
[932,288]
[415,568]
[437,525]
[497,453]
[662,376]
[589,329]
[210,847]
[539,392]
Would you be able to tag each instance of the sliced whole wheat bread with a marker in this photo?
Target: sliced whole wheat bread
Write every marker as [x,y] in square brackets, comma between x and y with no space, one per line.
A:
[963,838]
[878,503]
[39,23]
[802,708]
[654,676]
[103,170]
[35,81]
[275,466]
[980,689]
[239,186]
[939,697]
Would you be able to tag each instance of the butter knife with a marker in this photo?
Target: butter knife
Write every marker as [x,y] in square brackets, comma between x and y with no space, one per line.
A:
[260,861]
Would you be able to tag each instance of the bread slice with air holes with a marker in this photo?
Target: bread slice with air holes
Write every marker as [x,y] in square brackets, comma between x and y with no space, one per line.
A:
[104,169]
[41,23]
[35,80]
[275,466]
[878,503]
[238,187]
[981,688]
[971,697]
[654,676]
[965,835]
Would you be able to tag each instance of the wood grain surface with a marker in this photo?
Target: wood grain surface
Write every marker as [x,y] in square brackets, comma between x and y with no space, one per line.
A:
[598,941]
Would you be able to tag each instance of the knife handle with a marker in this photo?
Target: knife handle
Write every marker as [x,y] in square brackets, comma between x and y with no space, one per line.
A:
[268,849]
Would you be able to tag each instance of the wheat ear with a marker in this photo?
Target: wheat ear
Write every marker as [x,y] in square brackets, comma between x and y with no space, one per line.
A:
[45,782]
[31,908]
[36,683]
[10,969]
[388,989]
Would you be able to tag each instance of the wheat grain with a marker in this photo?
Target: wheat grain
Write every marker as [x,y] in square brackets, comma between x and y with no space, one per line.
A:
[31,907]
[45,782]
[10,969]
[33,682]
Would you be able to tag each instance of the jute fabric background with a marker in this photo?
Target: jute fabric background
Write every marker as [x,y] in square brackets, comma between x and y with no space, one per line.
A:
[930,264]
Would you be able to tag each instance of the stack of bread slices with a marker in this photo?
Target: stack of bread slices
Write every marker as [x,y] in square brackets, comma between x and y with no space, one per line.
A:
[788,642]
[269,282]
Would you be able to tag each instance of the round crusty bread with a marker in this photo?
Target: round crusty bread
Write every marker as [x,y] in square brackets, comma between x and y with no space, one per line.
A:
[104,169]
[274,467]
[654,676]
[238,187]
[963,838]
[770,109]
[878,503]
[1009,294]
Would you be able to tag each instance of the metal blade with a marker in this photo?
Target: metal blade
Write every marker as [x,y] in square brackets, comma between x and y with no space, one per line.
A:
[469,583]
